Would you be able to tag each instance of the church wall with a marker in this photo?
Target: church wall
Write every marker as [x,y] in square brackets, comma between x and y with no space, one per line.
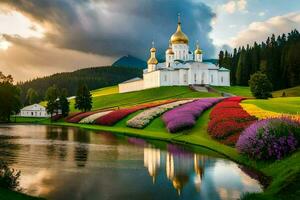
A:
[198,75]
[131,86]
[224,78]
[152,79]
[213,77]
[183,77]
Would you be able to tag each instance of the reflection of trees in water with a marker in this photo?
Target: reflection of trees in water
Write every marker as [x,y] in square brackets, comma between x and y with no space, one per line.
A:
[81,150]
[9,149]
[57,133]
[178,164]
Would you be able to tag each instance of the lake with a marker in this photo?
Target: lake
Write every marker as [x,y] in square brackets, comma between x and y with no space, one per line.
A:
[70,163]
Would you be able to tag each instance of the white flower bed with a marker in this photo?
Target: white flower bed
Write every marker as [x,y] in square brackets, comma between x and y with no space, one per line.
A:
[144,118]
[90,119]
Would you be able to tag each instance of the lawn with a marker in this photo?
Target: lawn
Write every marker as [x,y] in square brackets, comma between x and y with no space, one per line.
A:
[236,90]
[18,119]
[103,99]
[289,105]
[290,92]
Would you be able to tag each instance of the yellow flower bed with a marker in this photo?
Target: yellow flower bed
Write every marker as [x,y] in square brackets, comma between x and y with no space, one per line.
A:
[263,114]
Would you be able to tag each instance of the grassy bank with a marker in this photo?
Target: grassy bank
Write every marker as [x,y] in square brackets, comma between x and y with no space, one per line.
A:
[6,194]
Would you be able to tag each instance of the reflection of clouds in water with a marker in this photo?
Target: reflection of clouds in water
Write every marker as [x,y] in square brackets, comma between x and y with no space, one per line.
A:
[228,194]
[37,183]
[239,182]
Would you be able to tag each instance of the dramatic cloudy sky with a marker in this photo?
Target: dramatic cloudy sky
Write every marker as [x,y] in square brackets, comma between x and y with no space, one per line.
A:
[41,37]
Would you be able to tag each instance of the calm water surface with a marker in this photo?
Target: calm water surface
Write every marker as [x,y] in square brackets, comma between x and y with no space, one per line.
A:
[69,163]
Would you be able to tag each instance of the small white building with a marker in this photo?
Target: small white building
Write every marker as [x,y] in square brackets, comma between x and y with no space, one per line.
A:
[182,67]
[34,110]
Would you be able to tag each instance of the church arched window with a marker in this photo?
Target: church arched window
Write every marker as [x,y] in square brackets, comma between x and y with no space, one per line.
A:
[222,79]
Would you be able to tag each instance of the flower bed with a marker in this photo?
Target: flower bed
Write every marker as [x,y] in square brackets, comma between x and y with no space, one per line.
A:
[264,114]
[143,119]
[228,120]
[90,119]
[185,116]
[272,138]
[112,118]
[80,116]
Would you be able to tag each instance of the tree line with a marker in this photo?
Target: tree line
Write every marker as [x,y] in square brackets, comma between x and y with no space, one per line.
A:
[278,58]
[33,91]
[58,104]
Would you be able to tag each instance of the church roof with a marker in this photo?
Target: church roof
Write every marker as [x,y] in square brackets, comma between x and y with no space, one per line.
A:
[223,69]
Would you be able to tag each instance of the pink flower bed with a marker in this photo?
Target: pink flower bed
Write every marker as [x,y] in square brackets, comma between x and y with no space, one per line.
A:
[185,116]
[112,118]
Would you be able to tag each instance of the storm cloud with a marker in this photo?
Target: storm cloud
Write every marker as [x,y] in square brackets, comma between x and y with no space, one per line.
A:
[118,27]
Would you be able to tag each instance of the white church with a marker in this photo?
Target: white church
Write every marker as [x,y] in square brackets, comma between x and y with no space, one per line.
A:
[181,67]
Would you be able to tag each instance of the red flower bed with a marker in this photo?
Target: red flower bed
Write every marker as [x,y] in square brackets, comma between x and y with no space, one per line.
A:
[72,115]
[112,118]
[80,116]
[228,120]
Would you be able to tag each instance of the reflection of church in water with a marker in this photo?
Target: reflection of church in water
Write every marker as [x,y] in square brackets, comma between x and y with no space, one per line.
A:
[178,167]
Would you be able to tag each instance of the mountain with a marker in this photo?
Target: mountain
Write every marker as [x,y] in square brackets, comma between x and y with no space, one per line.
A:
[96,77]
[130,61]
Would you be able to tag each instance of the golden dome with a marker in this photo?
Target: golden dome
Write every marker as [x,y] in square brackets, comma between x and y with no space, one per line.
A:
[152,61]
[152,49]
[179,37]
[198,51]
[169,51]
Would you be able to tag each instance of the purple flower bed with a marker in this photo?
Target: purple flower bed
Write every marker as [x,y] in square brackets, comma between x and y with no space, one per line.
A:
[272,138]
[185,116]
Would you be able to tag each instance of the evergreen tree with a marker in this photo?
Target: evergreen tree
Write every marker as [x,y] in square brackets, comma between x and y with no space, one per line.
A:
[10,103]
[31,96]
[64,104]
[221,57]
[51,97]
[83,100]
[277,58]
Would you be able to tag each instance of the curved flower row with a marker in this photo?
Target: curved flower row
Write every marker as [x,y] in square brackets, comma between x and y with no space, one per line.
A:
[264,114]
[90,119]
[185,116]
[77,117]
[228,120]
[113,117]
[144,118]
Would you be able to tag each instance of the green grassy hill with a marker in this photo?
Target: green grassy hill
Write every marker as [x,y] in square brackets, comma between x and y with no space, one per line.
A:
[290,92]
[290,105]
[109,96]
[236,90]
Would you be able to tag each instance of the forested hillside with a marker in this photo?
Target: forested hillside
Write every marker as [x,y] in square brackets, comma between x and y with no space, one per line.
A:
[279,58]
[96,77]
